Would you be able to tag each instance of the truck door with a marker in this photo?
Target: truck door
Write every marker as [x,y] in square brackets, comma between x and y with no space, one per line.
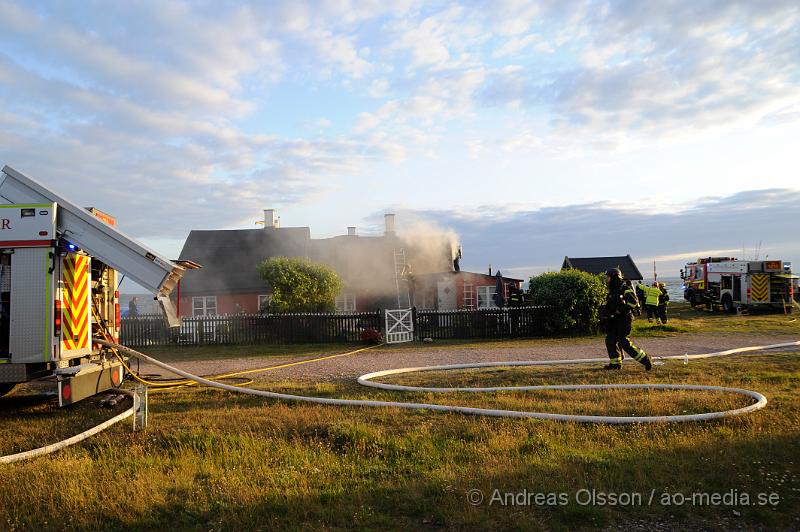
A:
[737,288]
[31,323]
[27,233]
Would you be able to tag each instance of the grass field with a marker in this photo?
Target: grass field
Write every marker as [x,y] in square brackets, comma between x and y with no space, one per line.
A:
[215,460]
[687,319]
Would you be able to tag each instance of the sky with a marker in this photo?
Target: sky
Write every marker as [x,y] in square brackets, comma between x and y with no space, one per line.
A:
[667,130]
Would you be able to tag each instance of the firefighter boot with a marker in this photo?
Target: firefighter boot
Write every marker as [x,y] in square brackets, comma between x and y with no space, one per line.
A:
[612,366]
[640,356]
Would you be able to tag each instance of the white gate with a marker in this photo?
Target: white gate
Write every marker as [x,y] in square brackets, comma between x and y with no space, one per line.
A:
[399,326]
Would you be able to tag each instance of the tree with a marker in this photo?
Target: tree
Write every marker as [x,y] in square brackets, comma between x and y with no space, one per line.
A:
[300,285]
[574,297]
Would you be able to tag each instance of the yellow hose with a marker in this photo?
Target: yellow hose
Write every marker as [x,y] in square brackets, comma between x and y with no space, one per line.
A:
[187,382]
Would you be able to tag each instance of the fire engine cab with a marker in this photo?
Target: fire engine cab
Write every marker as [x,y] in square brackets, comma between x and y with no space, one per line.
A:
[59,266]
[733,284]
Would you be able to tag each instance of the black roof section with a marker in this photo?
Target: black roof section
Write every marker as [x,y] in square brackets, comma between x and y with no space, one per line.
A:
[597,265]
[228,258]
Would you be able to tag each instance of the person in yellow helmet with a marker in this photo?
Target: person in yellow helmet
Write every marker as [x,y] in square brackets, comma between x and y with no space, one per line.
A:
[652,294]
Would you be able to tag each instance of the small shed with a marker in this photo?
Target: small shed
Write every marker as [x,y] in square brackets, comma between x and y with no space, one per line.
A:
[598,265]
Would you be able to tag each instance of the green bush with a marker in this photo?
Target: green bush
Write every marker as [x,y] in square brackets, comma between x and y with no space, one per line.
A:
[575,299]
[300,285]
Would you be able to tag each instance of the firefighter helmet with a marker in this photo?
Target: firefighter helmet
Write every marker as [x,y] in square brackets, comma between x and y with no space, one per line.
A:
[614,272]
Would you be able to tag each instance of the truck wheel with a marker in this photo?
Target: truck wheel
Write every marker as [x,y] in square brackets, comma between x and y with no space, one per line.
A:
[727,304]
[5,388]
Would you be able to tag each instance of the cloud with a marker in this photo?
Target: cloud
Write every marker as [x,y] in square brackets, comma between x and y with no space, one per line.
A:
[379,88]
[534,240]
[625,73]
[142,116]
[161,63]
[651,69]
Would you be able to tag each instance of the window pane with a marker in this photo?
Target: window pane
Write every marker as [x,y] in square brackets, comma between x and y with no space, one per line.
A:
[486,296]
[198,307]
[211,305]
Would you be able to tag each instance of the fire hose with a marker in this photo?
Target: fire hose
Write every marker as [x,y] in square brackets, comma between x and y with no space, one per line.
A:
[47,449]
[367,380]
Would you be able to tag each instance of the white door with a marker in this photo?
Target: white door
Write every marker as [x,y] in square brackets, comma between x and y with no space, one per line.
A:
[446,295]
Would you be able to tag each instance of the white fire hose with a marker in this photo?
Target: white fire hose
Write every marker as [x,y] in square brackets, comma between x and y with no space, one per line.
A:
[47,449]
[366,380]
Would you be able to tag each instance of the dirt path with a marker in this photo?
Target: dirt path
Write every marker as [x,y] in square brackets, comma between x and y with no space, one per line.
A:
[384,357]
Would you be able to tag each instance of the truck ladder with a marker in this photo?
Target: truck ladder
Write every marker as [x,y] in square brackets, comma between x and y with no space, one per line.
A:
[99,239]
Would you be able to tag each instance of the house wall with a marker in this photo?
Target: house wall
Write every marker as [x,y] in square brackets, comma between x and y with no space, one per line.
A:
[248,303]
[426,289]
[226,304]
[479,280]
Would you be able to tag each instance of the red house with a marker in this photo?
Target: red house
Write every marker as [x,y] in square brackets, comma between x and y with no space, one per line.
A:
[460,290]
[386,271]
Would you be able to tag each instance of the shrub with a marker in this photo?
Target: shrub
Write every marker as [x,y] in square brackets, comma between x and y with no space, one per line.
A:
[574,297]
[300,285]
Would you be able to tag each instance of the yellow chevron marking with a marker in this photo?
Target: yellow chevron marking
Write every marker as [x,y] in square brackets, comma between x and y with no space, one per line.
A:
[759,287]
[75,310]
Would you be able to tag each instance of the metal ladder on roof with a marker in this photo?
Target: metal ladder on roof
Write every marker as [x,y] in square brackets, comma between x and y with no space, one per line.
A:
[400,271]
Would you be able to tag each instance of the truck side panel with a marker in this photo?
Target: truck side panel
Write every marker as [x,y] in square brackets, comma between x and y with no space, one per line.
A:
[31,300]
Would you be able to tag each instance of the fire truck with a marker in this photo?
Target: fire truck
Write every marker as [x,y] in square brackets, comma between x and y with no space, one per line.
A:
[60,268]
[732,284]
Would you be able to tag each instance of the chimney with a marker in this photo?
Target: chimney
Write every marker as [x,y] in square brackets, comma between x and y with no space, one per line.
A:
[389,223]
[351,231]
[270,219]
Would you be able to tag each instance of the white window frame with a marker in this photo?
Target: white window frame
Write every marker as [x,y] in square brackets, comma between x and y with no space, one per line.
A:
[204,306]
[485,296]
[345,303]
[262,298]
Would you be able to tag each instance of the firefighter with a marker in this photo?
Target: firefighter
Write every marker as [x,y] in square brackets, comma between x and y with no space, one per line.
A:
[515,298]
[663,303]
[638,309]
[641,295]
[618,321]
[652,294]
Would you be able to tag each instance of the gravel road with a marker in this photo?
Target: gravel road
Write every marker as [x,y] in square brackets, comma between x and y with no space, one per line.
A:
[384,357]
